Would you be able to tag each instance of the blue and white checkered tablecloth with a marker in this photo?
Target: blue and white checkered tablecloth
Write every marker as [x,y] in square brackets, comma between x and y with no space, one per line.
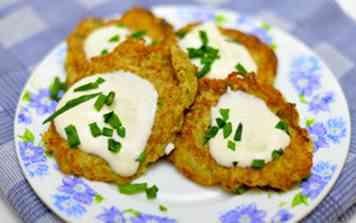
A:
[30,28]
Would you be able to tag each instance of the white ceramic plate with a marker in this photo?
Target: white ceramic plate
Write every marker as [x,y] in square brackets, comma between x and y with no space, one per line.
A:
[302,77]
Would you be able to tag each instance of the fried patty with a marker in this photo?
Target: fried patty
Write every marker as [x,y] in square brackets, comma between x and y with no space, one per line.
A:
[173,76]
[135,19]
[262,54]
[192,158]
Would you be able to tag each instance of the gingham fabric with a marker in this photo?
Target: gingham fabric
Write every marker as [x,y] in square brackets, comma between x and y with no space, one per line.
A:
[30,28]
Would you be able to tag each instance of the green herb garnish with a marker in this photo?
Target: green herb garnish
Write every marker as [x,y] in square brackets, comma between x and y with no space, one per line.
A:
[90,85]
[258,164]
[70,104]
[107,132]
[203,37]
[227,130]
[206,54]
[211,133]
[110,98]
[121,131]
[241,69]
[141,157]
[104,52]
[72,136]
[100,102]
[282,125]
[240,190]
[277,153]
[114,146]
[221,123]
[224,113]
[238,133]
[231,145]
[56,87]
[138,34]
[151,192]
[112,119]
[131,189]
[163,208]
[94,129]
[181,34]
[114,39]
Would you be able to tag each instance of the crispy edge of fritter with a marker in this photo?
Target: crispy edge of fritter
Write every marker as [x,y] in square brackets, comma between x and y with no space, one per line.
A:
[136,19]
[173,76]
[192,158]
[263,55]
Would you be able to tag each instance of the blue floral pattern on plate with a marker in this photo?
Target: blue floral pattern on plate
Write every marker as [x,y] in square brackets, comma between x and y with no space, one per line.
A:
[244,213]
[114,215]
[33,158]
[283,215]
[77,189]
[111,215]
[42,102]
[69,206]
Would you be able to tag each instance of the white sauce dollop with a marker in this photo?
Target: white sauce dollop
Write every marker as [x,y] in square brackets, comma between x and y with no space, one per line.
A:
[99,40]
[135,103]
[231,53]
[259,135]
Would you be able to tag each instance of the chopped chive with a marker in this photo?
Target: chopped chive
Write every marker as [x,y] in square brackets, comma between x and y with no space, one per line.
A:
[211,133]
[181,34]
[221,123]
[151,192]
[114,146]
[100,80]
[203,37]
[90,86]
[112,119]
[277,153]
[70,104]
[100,102]
[141,157]
[224,113]
[130,189]
[114,39]
[227,130]
[138,34]
[110,98]
[257,164]
[104,52]
[240,190]
[107,132]
[201,73]
[86,87]
[94,129]
[231,145]
[121,131]
[241,69]
[238,133]
[195,53]
[163,208]
[154,42]
[72,136]
[282,125]
[56,87]
[120,26]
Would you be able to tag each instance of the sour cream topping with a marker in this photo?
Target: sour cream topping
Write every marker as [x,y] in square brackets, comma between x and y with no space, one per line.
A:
[135,104]
[231,53]
[259,137]
[103,40]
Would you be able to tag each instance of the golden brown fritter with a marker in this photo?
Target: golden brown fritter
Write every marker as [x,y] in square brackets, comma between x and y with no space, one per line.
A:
[173,76]
[192,158]
[263,55]
[135,19]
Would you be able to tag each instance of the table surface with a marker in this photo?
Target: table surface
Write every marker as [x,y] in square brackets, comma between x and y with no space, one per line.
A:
[8,215]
